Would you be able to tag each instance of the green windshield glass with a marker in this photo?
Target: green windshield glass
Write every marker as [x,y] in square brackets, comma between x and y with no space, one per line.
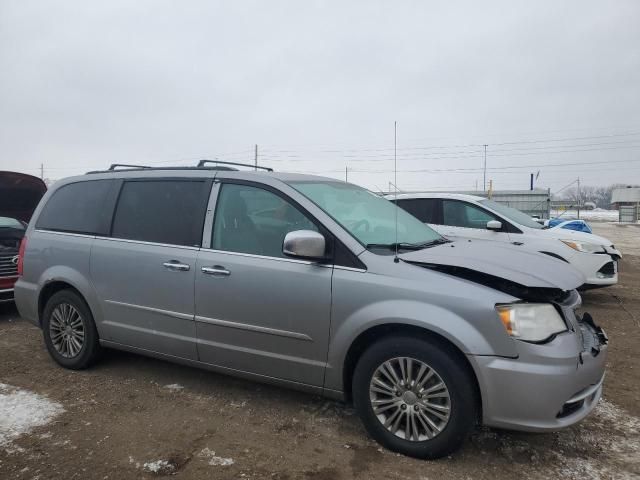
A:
[512,214]
[368,217]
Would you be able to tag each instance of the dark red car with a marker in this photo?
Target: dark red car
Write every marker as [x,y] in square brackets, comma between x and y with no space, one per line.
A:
[19,197]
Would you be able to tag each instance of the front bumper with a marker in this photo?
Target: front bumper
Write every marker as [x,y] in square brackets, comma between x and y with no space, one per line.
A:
[549,386]
[6,295]
[599,269]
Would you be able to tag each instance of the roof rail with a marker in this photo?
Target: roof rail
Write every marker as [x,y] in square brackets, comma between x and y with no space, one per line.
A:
[126,165]
[202,163]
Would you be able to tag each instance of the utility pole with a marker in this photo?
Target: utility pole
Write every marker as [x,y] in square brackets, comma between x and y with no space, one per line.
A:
[255,158]
[42,171]
[579,198]
[346,173]
[531,186]
[484,177]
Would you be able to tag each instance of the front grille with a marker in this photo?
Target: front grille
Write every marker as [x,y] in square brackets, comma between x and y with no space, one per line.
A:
[8,265]
[608,269]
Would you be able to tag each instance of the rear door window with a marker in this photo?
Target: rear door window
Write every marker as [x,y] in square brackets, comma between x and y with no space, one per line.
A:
[83,207]
[424,209]
[162,211]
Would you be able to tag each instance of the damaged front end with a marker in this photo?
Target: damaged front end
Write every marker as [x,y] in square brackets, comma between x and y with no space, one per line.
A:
[524,292]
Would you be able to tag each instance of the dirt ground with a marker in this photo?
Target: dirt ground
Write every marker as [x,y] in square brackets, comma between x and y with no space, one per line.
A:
[129,411]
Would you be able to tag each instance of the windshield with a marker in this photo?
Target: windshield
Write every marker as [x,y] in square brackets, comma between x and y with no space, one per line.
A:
[6,222]
[368,217]
[512,214]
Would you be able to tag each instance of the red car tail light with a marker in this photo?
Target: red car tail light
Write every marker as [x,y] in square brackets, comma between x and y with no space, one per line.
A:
[23,246]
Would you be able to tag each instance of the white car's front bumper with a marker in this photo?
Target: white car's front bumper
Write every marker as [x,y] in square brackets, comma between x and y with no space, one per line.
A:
[599,269]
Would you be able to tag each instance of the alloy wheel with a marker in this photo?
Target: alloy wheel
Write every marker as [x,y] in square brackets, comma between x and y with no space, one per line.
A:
[66,329]
[410,399]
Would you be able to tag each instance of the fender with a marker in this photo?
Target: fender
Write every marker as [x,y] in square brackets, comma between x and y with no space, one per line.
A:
[466,336]
[78,281]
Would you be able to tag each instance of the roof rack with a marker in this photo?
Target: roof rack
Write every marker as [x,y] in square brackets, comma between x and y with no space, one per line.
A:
[202,163]
[126,165]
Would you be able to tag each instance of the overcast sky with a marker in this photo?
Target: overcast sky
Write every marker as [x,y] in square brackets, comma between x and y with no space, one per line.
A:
[551,86]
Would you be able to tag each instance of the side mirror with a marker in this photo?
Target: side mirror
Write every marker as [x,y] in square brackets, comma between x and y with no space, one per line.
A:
[304,244]
[494,225]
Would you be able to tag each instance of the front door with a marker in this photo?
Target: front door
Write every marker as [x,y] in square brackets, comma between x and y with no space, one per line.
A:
[258,311]
[464,220]
[144,272]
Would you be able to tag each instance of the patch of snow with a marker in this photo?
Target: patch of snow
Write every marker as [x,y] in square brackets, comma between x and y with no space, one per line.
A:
[213,459]
[615,433]
[159,466]
[22,410]
[596,215]
[174,387]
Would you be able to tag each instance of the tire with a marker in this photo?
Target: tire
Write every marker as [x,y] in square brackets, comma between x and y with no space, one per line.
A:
[63,306]
[447,367]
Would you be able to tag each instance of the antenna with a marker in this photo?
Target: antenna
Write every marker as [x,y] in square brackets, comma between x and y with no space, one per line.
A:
[395,179]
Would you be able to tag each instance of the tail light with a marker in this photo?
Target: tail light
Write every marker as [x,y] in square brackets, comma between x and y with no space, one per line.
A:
[23,247]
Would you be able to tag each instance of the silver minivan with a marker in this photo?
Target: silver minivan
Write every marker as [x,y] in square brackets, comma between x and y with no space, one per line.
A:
[315,284]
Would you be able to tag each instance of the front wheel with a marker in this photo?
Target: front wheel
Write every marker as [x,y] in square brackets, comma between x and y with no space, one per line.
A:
[415,396]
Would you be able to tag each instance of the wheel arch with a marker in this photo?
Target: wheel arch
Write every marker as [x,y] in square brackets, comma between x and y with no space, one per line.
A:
[377,332]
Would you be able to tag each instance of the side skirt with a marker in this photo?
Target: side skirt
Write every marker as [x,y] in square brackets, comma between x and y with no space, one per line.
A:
[303,387]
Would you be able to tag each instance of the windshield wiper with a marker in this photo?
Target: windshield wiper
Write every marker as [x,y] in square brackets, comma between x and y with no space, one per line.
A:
[408,246]
[433,243]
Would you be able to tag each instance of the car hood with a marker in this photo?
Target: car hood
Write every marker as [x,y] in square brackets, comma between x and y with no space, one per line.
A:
[19,195]
[488,262]
[565,234]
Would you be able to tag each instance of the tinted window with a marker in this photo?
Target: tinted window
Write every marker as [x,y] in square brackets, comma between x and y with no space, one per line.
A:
[253,220]
[82,207]
[462,214]
[162,211]
[424,209]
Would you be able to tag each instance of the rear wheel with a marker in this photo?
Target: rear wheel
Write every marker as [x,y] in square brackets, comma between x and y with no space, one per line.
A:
[415,396]
[69,331]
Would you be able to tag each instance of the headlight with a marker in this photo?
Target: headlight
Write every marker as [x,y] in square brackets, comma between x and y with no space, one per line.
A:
[532,322]
[584,246]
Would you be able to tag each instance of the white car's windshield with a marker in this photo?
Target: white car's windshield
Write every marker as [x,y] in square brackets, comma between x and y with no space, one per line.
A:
[6,222]
[368,217]
[512,214]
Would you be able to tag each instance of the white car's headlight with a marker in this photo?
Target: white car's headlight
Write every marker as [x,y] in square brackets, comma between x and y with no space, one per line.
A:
[532,322]
[584,246]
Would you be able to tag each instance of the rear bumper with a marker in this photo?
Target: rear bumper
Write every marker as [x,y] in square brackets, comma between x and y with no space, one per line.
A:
[548,387]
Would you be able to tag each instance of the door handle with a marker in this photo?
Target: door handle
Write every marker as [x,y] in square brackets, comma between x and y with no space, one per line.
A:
[216,270]
[176,266]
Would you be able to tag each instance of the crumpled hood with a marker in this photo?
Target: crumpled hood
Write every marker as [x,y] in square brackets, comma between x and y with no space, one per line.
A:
[502,260]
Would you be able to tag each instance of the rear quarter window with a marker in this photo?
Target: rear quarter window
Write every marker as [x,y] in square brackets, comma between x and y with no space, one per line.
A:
[82,207]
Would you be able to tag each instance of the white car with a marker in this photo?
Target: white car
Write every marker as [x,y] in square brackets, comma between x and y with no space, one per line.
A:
[469,216]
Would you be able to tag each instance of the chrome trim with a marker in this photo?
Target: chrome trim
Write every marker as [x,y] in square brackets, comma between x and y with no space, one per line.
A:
[68,234]
[142,242]
[6,290]
[208,219]
[216,270]
[587,392]
[175,266]
[349,269]
[253,328]
[277,259]
[169,313]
